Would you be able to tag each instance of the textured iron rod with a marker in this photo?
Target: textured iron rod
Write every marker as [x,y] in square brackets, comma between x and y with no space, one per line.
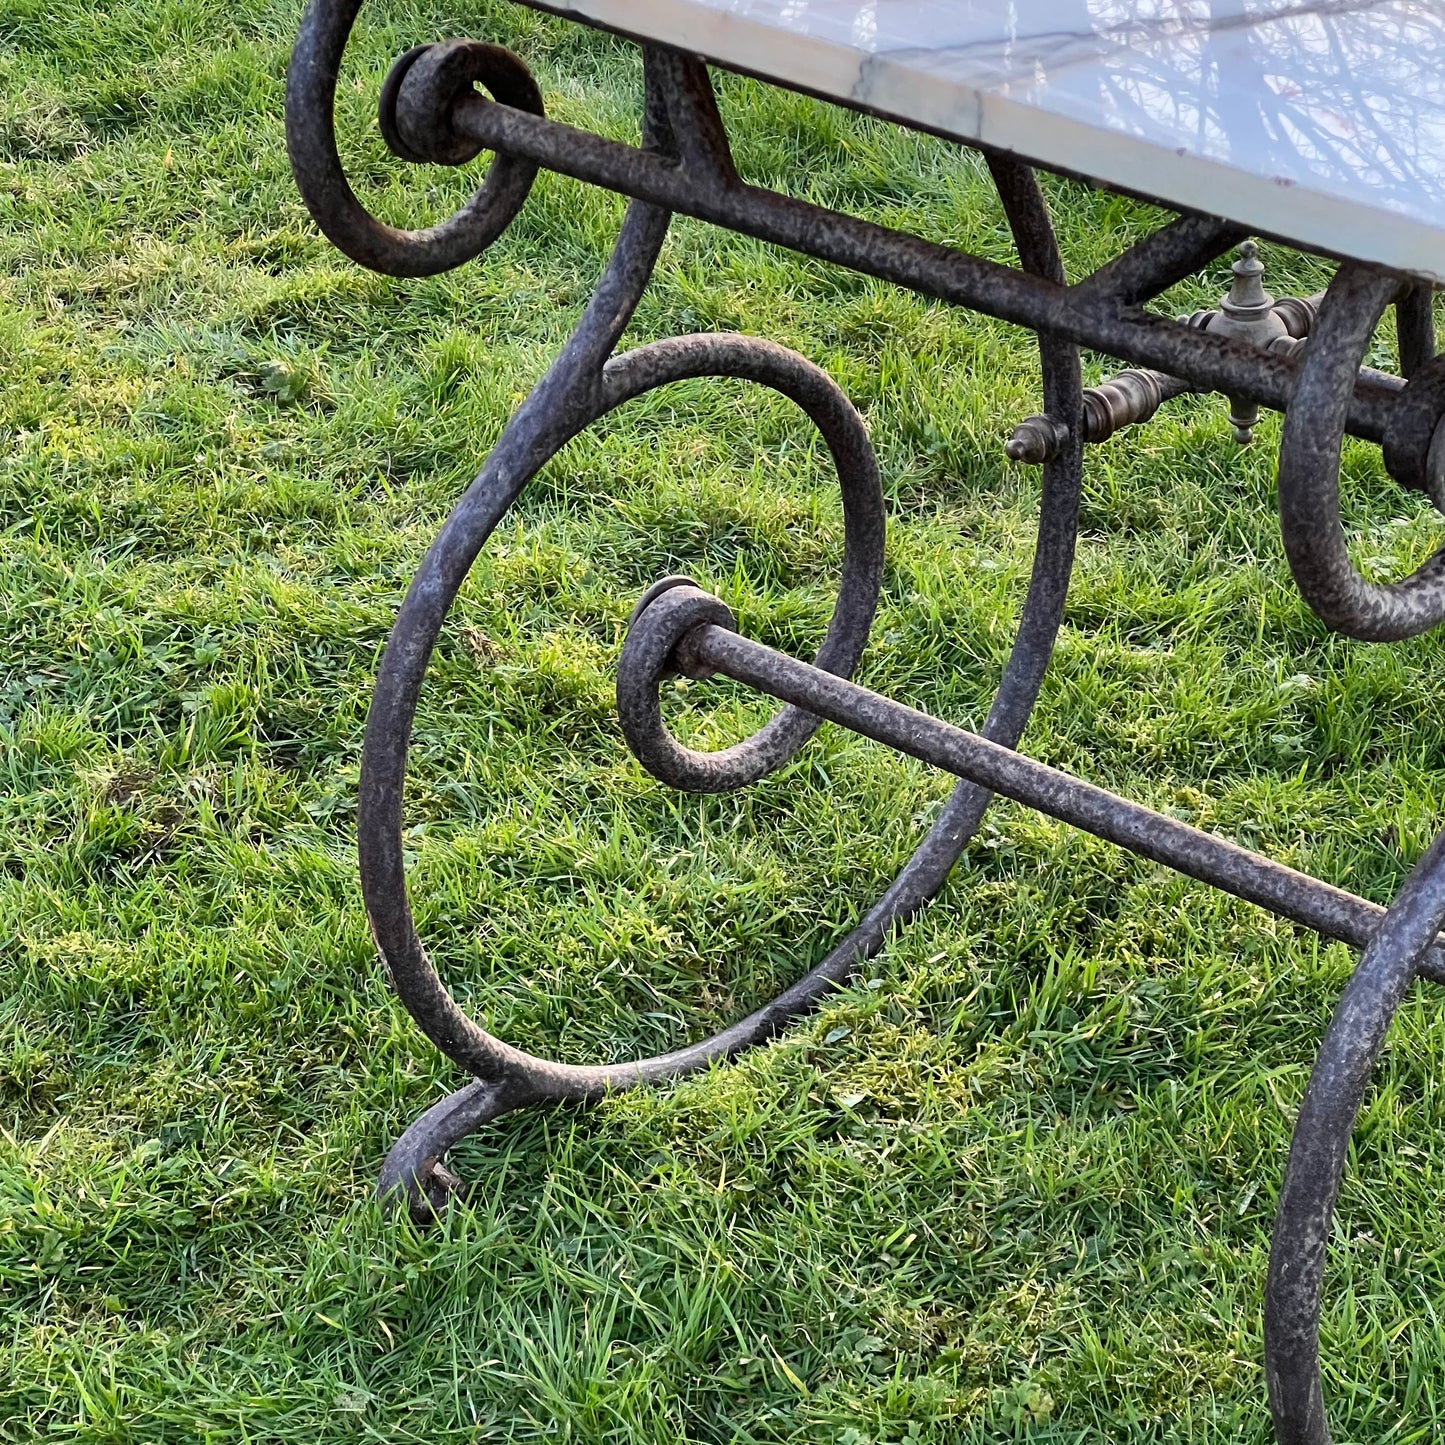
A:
[1209,363]
[1161,260]
[1415,328]
[1320,906]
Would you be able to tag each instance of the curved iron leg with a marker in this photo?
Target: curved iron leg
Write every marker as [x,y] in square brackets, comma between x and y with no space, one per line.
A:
[1321,1141]
[509,1078]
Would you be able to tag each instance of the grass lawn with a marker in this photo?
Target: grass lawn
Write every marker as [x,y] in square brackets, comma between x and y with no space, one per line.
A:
[1015,1183]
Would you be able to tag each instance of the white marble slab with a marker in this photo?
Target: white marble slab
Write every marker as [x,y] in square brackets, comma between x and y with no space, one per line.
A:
[1319,121]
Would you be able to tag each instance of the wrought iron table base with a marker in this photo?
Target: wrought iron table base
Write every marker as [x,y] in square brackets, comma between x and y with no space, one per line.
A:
[1302,357]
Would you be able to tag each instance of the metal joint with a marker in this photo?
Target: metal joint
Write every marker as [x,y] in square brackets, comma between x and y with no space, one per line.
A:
[1248,314]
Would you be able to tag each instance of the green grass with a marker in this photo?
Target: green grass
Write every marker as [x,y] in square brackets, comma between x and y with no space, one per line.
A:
[1016,1183]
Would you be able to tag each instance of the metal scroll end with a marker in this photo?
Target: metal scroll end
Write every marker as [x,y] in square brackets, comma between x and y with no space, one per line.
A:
[663,584]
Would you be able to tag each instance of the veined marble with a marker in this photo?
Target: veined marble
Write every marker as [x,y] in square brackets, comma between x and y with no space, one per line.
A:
[1317,121]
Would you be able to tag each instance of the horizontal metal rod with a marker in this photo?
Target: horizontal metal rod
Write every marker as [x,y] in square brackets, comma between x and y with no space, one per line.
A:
[1099,321]
[1326,909]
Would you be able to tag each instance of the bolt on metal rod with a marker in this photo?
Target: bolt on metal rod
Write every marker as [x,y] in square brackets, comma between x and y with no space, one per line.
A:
[1326,909]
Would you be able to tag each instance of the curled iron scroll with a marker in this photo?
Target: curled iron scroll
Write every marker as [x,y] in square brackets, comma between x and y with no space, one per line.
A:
[311,80]
[1309,477]
[508,1077]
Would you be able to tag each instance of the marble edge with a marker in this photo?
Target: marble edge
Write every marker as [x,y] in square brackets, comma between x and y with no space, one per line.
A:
[1295,213]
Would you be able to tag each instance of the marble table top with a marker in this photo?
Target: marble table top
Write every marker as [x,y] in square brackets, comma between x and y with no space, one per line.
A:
[1315,121]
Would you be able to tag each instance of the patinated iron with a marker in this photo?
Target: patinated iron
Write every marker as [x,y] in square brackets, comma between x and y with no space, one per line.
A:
[1301,356]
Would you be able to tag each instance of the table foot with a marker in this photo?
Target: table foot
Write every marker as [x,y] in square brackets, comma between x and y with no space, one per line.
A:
[413,1175]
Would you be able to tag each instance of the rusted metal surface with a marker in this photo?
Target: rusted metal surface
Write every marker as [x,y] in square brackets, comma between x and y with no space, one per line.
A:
[581,387]
[316,164]
[1159,261]
[1415,328]
[1299,355]
[1210,363]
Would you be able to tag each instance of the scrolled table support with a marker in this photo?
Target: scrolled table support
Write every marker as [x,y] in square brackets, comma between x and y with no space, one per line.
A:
[507,1078]
[580,386]
[1300,355]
